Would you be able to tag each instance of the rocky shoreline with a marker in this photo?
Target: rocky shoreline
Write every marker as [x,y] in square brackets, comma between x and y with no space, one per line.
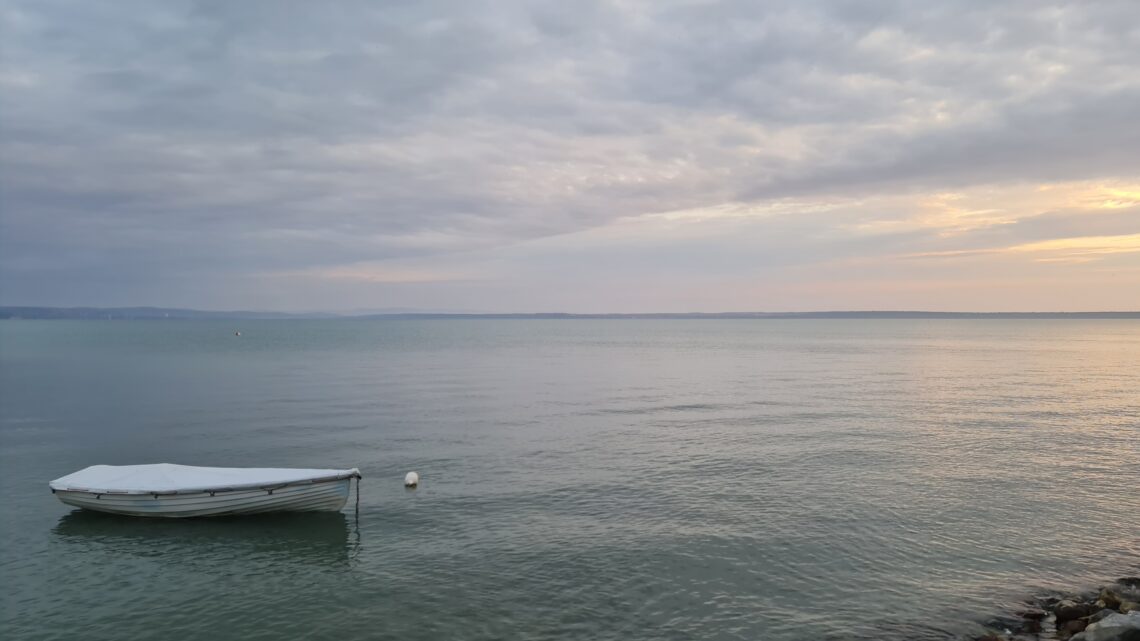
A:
[1111,613]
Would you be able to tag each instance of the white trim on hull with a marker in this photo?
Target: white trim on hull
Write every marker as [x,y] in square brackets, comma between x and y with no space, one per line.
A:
[312,496]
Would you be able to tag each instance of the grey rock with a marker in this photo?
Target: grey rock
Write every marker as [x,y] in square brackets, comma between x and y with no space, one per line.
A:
[1071,627]
[1111,599]
[1068,610]
[1033,614]
[1097,616]
[1114,627]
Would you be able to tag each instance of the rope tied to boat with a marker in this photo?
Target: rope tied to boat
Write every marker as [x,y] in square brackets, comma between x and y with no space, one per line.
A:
[358,477]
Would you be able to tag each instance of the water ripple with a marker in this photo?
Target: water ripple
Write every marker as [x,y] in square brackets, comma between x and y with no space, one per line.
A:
[581,480]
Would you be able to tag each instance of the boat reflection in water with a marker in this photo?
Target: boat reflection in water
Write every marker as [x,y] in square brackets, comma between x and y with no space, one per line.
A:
[322,538]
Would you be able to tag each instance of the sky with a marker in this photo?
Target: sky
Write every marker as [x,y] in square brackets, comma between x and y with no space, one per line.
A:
[621,156]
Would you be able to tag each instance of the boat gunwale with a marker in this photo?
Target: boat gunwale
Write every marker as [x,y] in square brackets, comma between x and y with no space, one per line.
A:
[354,473]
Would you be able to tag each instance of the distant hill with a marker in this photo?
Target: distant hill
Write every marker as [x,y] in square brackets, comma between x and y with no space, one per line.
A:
[163,313]
[141,313]
[777,315]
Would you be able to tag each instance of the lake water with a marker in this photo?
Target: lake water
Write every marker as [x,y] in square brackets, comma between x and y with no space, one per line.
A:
[581,479]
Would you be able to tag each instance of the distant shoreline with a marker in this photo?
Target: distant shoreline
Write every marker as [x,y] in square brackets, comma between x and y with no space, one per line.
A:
[160,313]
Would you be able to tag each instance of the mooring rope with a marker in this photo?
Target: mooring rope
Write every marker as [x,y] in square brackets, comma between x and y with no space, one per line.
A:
[355,550]
[357,499]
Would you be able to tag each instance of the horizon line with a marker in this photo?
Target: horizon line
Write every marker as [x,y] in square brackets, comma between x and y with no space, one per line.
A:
[146,312]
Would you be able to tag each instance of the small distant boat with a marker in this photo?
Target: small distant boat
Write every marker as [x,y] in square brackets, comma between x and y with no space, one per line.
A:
[178,491]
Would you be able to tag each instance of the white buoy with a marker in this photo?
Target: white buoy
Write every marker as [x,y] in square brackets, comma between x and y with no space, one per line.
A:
[411,480]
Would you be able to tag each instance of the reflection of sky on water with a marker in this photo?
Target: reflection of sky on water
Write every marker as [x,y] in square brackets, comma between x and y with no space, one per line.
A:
[585,479]
[320,538]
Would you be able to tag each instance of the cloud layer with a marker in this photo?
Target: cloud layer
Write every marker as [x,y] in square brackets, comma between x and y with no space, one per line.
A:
[587,156]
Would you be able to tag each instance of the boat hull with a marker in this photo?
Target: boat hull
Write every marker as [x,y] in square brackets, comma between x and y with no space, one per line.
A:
[320,496]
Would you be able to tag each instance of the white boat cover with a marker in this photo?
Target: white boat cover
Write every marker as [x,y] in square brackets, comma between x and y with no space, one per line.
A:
[170,478]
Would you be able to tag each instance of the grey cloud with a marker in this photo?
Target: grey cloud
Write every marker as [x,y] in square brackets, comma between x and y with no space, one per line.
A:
[227,138]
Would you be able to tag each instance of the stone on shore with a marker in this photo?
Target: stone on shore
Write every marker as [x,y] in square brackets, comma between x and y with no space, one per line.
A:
[1127,592]
[1069,610]
[1111,613]
[1069,628]
[1115,627]
[1110,599]
[1093,618]
[1033,614]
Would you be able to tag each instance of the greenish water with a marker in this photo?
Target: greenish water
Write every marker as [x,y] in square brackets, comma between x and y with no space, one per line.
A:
[666,479]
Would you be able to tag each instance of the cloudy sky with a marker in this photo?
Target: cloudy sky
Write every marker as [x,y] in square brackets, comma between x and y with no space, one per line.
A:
[571,156]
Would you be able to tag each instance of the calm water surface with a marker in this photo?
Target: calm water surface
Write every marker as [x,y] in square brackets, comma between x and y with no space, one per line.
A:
[775,479]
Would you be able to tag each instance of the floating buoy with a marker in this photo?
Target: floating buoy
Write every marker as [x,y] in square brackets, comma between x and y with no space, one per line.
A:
[411,480]
[237,333]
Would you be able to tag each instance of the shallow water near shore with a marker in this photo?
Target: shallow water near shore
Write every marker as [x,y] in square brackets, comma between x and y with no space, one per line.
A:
[581,479]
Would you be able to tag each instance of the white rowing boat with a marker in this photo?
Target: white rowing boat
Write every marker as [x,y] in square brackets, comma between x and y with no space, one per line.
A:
[169,490]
